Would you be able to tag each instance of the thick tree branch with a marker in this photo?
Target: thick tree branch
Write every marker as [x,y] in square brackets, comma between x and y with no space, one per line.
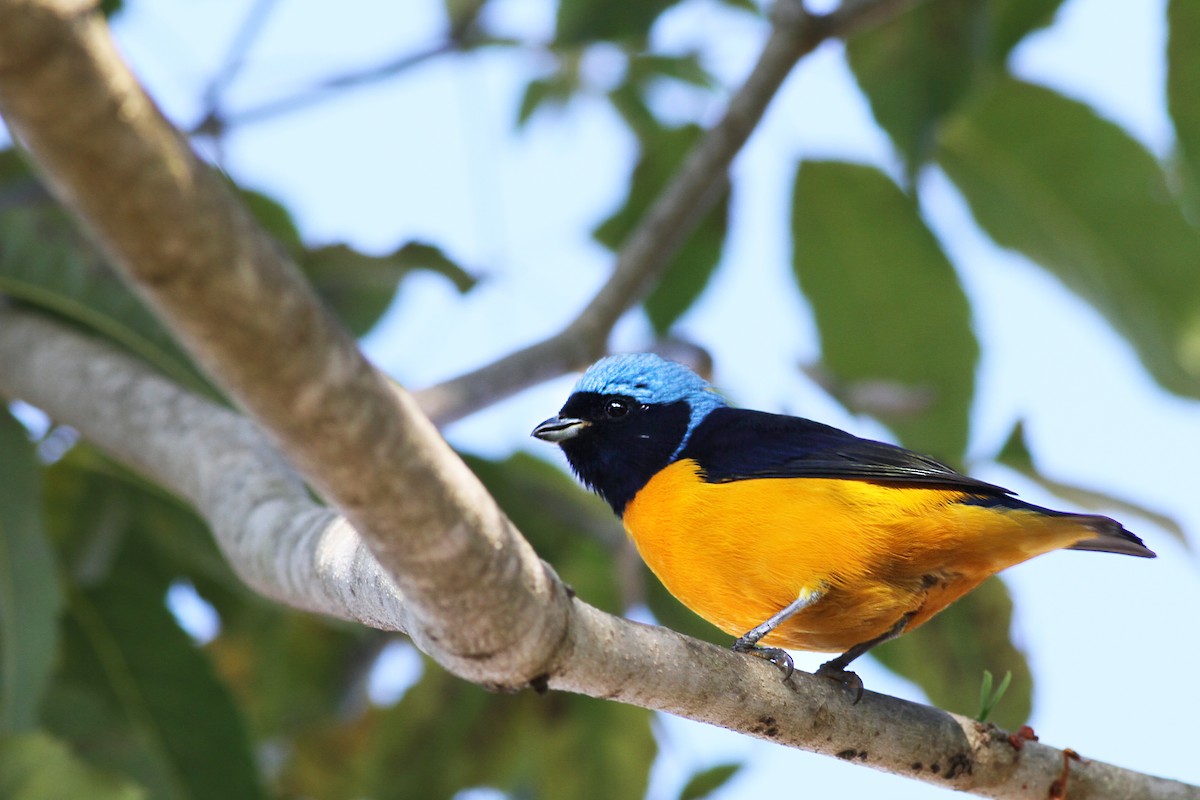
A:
[454,572]
[246,314]
[672,218]
[306,556]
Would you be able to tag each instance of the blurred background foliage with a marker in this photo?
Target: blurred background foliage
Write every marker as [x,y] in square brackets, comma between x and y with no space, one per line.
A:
[103,693]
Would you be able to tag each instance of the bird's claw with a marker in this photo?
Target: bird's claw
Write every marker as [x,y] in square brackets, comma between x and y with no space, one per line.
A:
[836,672]
[778,657]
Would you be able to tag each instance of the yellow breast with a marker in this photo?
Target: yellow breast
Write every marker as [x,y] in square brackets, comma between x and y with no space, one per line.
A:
[737,552]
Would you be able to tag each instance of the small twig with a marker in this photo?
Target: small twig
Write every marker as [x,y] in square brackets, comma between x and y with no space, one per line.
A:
[322,90]
[459,36]
[235,58]
[672,218]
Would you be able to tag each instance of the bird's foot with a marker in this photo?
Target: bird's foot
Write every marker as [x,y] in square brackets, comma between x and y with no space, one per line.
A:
[836,672]
[778,657]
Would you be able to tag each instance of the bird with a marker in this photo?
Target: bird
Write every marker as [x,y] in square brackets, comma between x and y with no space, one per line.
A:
[788,533]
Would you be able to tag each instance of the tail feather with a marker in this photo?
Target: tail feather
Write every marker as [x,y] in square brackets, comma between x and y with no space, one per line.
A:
[1111,537]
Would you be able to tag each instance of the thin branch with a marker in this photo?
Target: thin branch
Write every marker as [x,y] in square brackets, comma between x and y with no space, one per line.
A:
[235,58]
[306,556]
[474,594]
[668,223]
[325,89]
[183,240]
[460,36]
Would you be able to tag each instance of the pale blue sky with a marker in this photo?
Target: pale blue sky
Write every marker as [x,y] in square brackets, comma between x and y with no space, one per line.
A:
[434,155]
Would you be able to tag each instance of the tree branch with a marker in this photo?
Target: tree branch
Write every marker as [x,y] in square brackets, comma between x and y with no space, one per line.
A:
[306,556]
[460,36]
[674,215]
[451,569]
[179,236]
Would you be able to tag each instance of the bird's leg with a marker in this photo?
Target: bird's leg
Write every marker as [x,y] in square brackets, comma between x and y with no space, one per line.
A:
[748,643]
[836,668]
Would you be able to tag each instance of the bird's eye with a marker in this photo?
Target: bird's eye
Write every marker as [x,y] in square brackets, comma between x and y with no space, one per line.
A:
[615,409]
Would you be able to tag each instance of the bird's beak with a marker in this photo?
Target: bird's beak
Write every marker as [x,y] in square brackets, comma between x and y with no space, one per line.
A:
[559,429]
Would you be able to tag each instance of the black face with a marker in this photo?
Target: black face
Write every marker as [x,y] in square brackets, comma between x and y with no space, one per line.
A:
[624,443]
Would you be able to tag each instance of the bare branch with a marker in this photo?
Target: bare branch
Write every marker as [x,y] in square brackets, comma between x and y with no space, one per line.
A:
[459,37]
[304,555]
[453,572]
[668,223]
[325,89]
[278,541]
[247,315]
[252,25]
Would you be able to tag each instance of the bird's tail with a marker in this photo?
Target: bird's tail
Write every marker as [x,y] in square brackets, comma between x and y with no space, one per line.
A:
[1111,537]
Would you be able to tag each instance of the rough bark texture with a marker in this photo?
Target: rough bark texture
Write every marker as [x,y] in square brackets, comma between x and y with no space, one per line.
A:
[440,560]
[305,555]
[194,252]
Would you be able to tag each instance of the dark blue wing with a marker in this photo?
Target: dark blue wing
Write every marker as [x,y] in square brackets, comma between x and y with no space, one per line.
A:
[733,444]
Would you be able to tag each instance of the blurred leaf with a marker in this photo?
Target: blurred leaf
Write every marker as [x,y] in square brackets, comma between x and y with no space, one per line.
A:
[572,530]
[553,90]
[887,302]
[1046,176]
[46,262]
[1010,21]
[177,729]
[645,68]
[274,217]
[294,672]
[1016,454]
[132,692]
[707,781]
[1183,82]
[582,21]
[918,66]
[946,656]
[37,767]
[556,745]
[359,288]
[110,8]
[689,271]
[30,598]
[744,5]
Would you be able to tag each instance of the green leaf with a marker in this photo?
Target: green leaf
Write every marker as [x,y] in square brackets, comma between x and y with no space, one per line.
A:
[294,672]
[529,745]
[38,767]
[1049,178]
[707,781]
[1010,21]
[274,217]
[359,288]
[1183,82]
[888,305]
[1016,454]
[918,66]
[133,693]
[947,655]
[47,262]
[30,597]
[645,68]
[582,21]
[689,271]
[553,90]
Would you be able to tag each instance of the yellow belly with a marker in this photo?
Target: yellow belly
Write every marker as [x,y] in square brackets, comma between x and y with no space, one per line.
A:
[738,552]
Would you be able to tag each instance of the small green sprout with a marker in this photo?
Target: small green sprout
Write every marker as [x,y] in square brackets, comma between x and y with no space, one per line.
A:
[988,700]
